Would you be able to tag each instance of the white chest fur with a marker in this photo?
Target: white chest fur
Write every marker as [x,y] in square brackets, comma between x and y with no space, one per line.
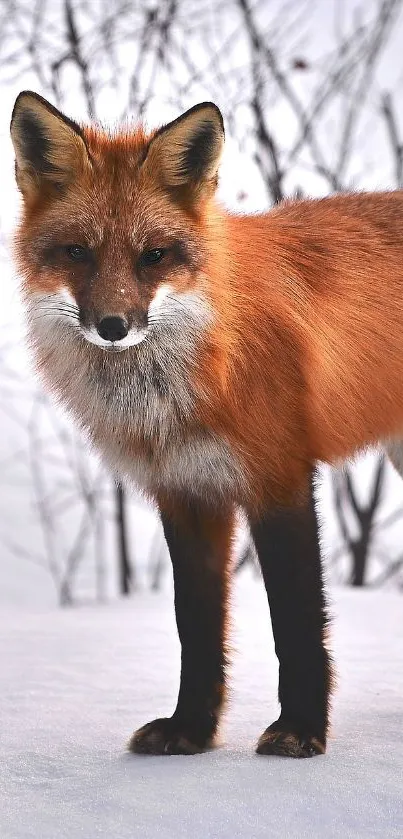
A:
[144,393]
[201,466]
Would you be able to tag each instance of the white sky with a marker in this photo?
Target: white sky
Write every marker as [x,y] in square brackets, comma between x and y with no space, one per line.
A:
[313,39]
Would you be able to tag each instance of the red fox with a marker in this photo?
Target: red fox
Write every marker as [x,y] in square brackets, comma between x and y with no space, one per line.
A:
[214,359]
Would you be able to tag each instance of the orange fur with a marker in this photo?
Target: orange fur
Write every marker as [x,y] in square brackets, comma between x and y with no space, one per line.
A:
[303,360]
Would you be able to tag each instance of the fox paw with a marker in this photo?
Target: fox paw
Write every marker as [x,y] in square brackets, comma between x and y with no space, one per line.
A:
[167,736]
[280,739]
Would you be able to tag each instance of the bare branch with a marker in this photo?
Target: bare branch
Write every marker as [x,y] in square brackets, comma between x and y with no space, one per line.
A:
[76,55]
[388,112]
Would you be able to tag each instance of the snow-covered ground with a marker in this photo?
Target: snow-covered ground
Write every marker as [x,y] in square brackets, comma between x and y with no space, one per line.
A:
[75,683]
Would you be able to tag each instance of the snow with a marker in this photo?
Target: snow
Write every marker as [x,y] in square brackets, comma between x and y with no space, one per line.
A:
[75,683]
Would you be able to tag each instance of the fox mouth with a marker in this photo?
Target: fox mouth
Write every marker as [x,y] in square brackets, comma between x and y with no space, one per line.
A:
[172,319]
[133,338]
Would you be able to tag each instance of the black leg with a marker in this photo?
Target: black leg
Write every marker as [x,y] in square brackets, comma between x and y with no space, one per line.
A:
[199,544]
[287,543]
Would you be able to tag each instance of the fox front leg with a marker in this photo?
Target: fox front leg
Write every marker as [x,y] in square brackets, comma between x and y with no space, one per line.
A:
[287,544]
[199,543]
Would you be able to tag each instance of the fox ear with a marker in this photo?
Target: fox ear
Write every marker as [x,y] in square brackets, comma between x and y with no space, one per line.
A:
[49,148]
[187,151]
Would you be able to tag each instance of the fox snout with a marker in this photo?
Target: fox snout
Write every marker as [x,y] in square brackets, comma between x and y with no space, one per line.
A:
[114,330]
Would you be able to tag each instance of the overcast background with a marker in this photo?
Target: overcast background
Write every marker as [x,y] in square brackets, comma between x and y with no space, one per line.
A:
[311,94]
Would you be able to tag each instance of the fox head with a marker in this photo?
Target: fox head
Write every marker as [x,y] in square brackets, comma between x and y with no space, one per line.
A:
[114,240]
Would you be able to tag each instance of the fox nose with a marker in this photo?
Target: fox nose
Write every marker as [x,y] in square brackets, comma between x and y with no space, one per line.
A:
[113,328]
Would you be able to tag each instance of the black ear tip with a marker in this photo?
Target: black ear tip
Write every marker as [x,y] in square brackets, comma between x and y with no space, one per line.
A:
[25,94]
[36,102]
[212,106]
[215,115]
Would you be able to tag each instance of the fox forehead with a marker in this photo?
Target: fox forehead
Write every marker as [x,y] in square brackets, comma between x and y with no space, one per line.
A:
[135,221]
[116,148]
[116,201]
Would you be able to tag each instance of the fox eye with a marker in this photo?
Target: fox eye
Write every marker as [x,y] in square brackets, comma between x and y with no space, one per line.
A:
[77,253]
[152,256]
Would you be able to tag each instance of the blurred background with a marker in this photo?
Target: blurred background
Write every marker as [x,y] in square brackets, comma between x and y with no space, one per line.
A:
[312,97]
